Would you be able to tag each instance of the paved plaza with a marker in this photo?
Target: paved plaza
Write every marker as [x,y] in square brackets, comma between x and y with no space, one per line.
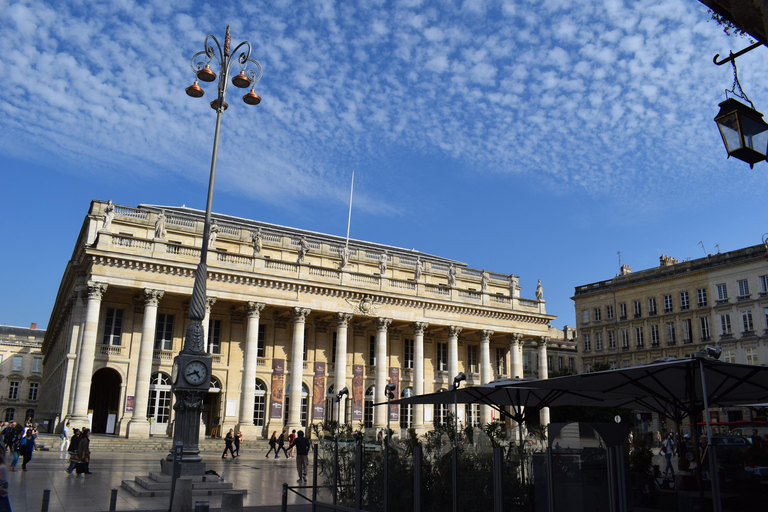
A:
[262,477]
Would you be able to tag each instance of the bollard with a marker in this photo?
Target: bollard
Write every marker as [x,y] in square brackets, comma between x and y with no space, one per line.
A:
[46,500]
[232,501]
[285,498]
[113,500]
[202,506]
[178,447]
[182,498]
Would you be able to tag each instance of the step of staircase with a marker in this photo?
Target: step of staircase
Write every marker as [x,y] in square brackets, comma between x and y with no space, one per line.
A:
[159,485]
[107,443]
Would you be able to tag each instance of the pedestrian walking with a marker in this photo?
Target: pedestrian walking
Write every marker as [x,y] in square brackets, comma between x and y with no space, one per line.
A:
[5,505]
[281,444]
[228,440]
[291,438]
[238,440]
[9,432]
[27,447]
[273,444]
[72,451]
[668,449]
[15,446]
[84,453]
[64,437]
[301,444]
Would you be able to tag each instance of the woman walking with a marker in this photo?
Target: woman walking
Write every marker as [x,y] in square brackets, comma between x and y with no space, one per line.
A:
[238,440]
[84,452]
[15,446]
[228,440]
[272,444]
[27,447]
[72,451]
[64,438]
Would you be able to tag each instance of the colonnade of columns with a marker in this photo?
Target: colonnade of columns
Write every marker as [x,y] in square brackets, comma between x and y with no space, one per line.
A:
[138,425]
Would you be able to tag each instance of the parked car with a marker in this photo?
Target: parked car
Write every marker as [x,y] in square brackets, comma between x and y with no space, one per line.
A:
[735,443]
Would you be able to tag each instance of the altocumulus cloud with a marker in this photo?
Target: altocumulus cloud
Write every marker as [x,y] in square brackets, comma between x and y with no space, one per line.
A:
[604,98]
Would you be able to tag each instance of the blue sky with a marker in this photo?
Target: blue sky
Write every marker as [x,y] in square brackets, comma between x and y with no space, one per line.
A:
[529,137]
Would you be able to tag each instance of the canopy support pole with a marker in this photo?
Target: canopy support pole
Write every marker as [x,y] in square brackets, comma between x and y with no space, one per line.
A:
[713,469]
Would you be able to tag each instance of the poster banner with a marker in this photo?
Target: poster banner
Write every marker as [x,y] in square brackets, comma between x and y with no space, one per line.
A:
[278,375]
[129,403]
[394,378]
[318,395]
[357,393]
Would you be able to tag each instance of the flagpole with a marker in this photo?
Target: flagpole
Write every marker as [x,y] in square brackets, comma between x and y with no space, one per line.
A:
[349,218]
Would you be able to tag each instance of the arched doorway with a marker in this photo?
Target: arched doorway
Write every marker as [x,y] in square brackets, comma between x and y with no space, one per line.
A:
[159,404]
[104,402]
[212,409]
[260,405]
[304,404]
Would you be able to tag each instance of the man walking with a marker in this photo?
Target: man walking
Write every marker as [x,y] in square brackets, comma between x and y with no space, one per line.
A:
[302,455]
[668,448]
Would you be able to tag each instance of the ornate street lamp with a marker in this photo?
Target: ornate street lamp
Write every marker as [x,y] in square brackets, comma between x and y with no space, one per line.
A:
[389,394]
[191,374]
[742,128]
[457,380]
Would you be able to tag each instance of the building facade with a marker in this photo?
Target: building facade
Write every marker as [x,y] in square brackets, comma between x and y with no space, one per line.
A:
[677,309]
[293,317]
[21,372]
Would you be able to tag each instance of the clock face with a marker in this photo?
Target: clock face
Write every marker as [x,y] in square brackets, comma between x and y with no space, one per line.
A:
[175,371]
[195,373]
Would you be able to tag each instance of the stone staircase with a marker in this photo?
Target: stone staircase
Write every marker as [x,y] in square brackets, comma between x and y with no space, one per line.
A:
[158,485]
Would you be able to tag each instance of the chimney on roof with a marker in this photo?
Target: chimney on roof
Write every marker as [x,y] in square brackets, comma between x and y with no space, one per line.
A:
[625,269]
[667,261]
[33,325]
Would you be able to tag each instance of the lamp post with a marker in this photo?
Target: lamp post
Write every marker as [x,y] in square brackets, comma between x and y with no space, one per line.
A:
[457,380]
[191,376]
[342,392]
[389,393]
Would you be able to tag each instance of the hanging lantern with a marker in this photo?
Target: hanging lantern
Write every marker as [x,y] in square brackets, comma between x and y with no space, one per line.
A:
[744,132]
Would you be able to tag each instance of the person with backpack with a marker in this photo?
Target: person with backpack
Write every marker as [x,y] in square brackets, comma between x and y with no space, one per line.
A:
[291,438]
[301,444]
[281,444]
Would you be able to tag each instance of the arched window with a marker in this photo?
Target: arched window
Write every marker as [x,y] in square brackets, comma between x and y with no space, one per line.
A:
[30,414]
[406,410]
[368,407]
[215,385]
[9,414]
[159,404]
[260,404]
[304,404]
[441,412]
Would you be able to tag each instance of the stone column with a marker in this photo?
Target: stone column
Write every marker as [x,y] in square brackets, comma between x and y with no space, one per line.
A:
[453,351]
[138,426]
[515,342]
[250,357]
[209,302]
[485,370]
[418,373]
[382,370]
[543,374]
[297,368]
[340,370]
[87,353]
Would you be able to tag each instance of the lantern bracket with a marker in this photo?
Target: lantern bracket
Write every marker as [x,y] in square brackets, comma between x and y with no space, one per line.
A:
[732,55]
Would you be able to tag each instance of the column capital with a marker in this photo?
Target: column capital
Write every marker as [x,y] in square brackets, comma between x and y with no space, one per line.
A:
[382,323]
[96,290]
[209,302]
[300,314]
[485,335]
[152,297]
[343,319]
[419,328]
[543,341]
[254,308]
[516,338]
[453,330]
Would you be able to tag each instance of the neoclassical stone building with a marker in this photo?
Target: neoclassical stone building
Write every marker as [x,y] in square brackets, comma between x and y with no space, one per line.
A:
[21,371]
[293,317]
[676,309]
